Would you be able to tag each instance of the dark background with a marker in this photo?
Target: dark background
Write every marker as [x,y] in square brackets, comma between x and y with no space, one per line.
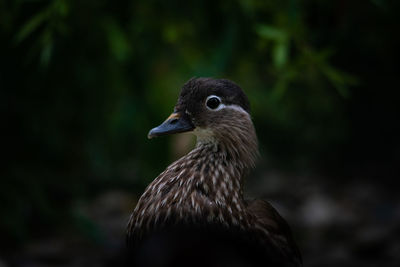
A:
[82,82]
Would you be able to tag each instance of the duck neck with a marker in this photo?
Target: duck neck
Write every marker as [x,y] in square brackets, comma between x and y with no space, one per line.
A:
[225,159]
[233,144]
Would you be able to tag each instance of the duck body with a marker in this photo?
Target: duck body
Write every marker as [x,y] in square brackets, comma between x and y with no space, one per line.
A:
[201,194]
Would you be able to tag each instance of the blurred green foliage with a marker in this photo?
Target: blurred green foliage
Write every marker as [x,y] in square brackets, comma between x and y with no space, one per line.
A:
[83,81]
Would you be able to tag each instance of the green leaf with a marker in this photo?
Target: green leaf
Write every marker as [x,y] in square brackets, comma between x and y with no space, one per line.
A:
[46,53]
[31,26]
[117,40]
[339,79]
[271,32]
[61,7]
[280,54]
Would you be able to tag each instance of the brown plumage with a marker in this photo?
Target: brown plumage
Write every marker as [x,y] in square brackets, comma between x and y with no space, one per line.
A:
[202,191]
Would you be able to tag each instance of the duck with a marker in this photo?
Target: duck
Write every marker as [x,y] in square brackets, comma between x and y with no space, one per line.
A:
[195,210]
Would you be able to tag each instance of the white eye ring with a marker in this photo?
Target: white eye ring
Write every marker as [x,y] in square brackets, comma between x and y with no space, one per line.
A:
[210,103]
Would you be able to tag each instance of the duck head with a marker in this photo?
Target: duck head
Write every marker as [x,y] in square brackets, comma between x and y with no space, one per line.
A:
[207,107]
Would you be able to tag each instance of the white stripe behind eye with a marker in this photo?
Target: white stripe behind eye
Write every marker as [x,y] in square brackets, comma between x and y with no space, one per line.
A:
[235,107]
[222,105]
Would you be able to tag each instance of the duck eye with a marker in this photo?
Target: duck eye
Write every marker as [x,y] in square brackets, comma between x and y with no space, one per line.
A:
[213,102]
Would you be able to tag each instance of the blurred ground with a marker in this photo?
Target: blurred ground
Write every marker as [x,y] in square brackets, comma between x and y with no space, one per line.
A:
[356,224]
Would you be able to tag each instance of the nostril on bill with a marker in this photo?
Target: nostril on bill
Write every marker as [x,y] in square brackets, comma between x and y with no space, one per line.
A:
[173,121]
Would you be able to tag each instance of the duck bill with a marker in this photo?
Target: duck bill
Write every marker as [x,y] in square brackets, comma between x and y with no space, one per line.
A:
[175,123]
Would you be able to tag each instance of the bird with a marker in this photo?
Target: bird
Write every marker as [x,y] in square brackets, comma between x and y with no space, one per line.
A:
[196,207]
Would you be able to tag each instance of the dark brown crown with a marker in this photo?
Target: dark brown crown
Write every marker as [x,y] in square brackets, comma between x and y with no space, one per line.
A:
[195,91]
